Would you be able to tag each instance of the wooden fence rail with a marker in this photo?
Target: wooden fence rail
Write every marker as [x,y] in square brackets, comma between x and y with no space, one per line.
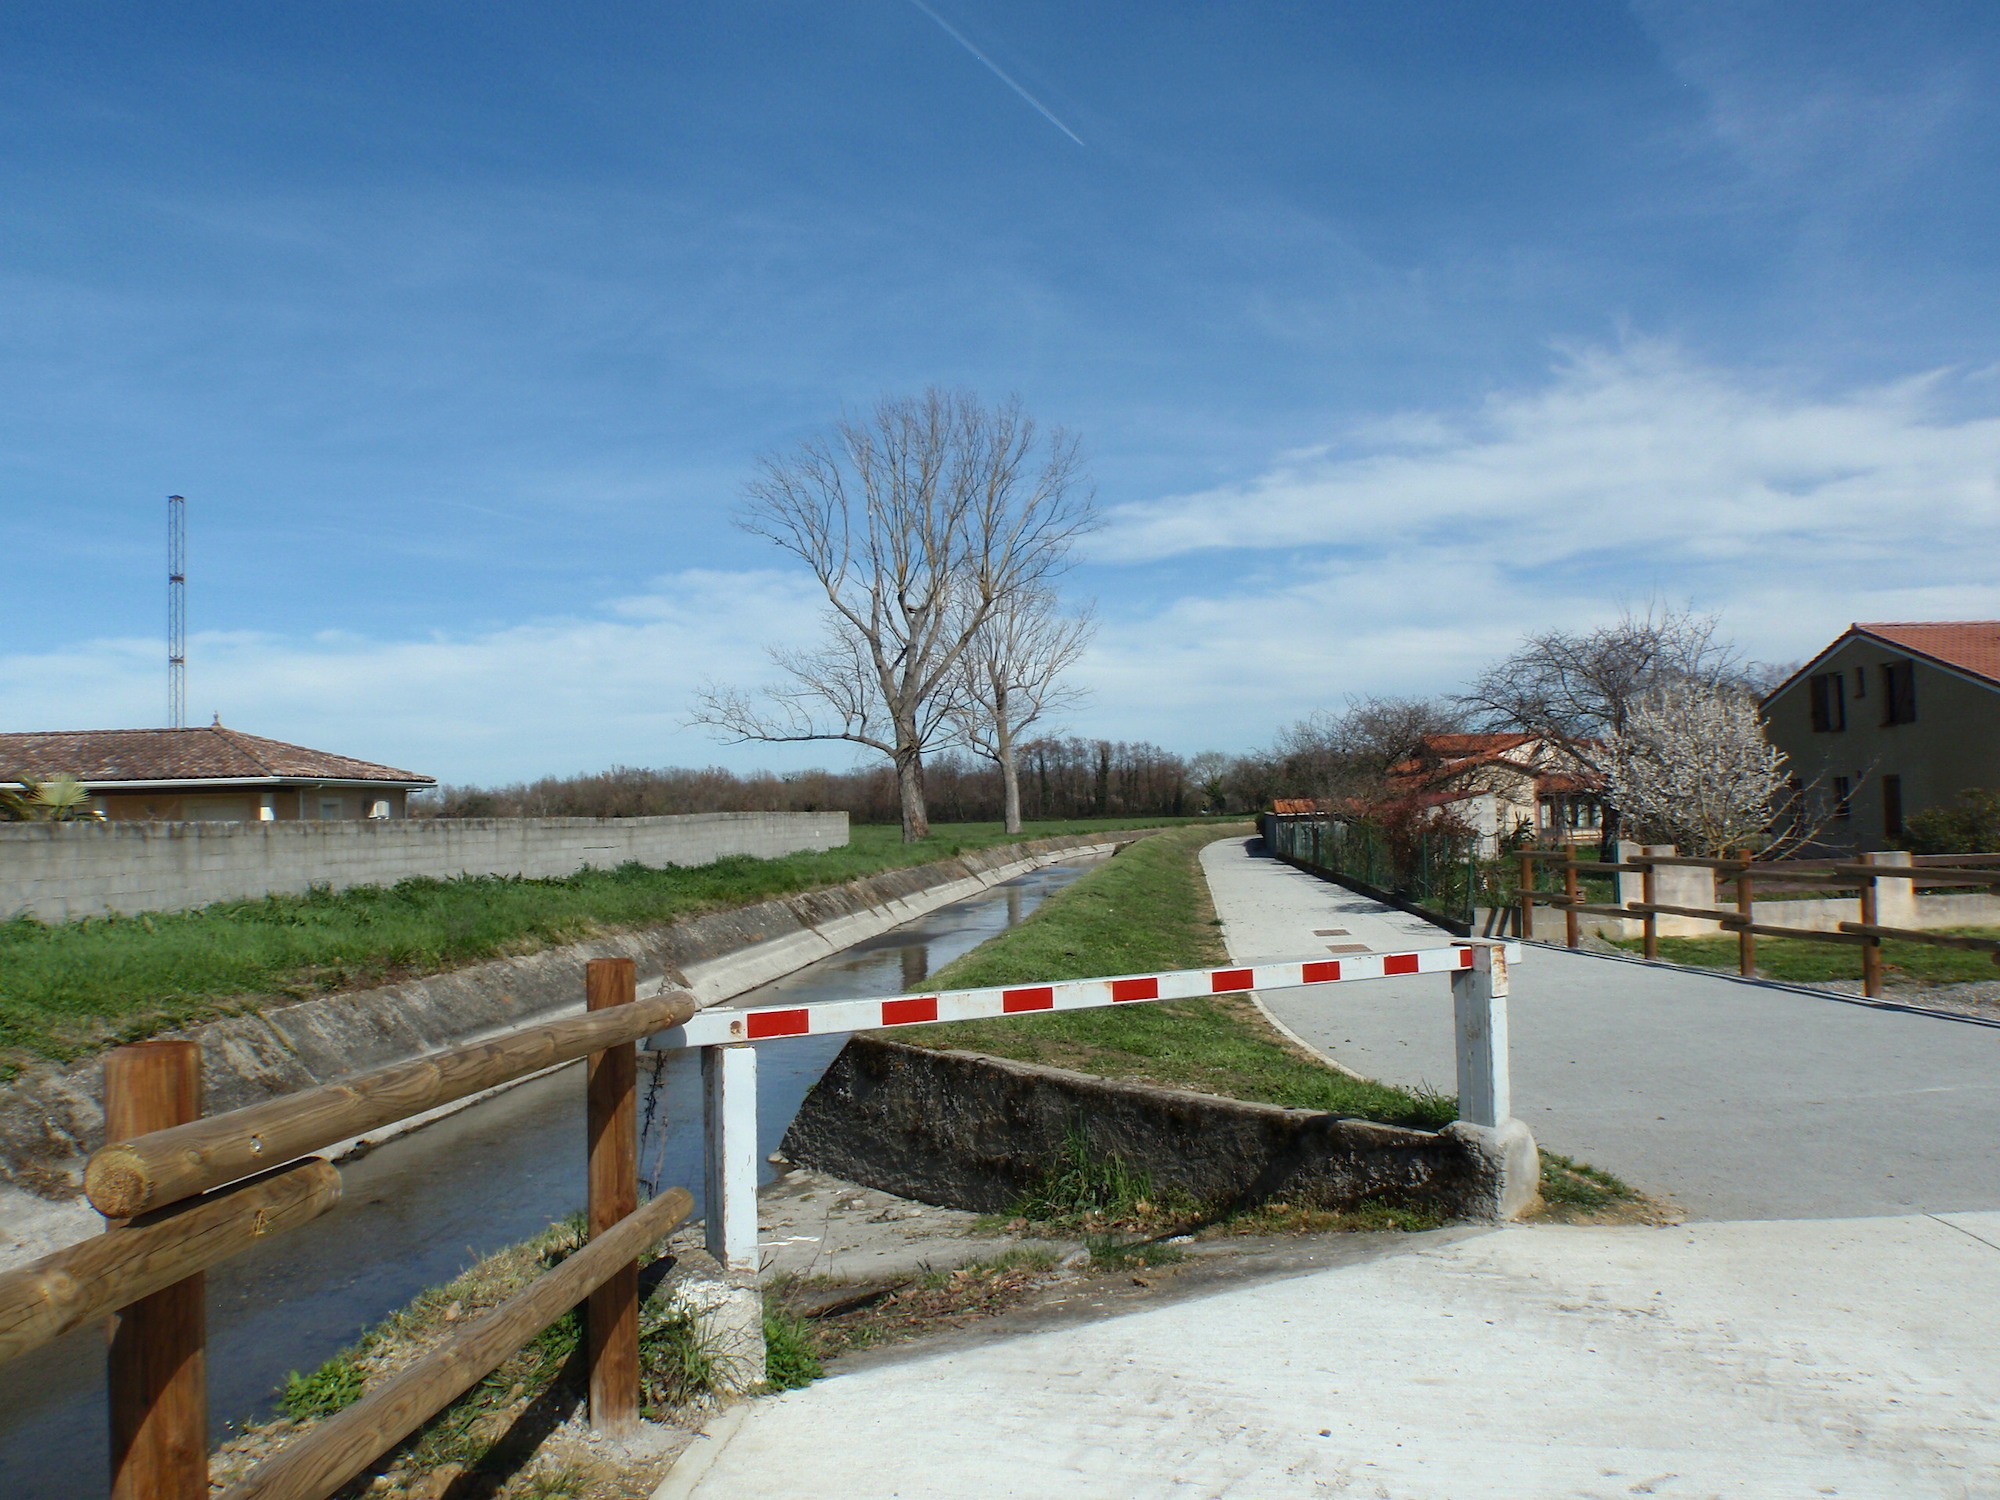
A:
[1749,878]
[130,1176]
[95,1278]
[184,1192]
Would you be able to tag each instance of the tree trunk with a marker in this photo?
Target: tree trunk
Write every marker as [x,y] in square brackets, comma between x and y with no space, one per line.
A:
[910,781]
[1010,774]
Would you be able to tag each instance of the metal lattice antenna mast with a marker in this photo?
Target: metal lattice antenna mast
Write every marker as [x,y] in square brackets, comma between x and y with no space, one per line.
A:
[177,661]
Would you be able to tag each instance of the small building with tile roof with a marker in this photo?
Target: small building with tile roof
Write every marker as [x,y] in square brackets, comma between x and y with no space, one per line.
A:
[213,774]
[1503,786]
[1892,719]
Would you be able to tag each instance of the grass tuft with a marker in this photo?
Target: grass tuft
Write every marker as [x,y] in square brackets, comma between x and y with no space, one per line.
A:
[790,1360]
[1084,1188]
[1578,1185]
[1110,1253]
[334,1386]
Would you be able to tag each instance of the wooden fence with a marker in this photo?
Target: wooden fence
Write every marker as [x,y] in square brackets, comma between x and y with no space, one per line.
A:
[1749,877]
[184,1192]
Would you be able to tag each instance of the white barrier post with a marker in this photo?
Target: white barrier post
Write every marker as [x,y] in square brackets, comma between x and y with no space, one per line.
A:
[1479,1005]
[729,1088]
[1510,1165]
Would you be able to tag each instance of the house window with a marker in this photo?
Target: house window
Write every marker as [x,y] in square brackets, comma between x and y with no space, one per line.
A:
[1860,682]
[1892,807]
[1829,702]
[1843,799]
[329,808]
[1899,692]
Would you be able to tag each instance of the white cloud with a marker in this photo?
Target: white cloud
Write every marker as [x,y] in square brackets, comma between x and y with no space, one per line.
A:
[1637,456]
[553,695]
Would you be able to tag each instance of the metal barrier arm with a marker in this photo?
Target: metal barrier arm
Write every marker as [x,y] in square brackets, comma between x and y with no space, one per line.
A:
[720,1026]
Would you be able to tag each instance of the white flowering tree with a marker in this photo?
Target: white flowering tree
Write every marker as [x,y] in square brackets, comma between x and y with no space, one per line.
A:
[1692,767]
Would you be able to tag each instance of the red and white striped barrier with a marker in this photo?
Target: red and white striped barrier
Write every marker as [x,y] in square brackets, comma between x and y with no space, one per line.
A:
[720,1026]
[1478,972]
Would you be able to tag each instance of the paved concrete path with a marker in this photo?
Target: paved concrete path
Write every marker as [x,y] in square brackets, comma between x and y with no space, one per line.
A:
[1765,1359]
[1737,1101]
[1805,1356]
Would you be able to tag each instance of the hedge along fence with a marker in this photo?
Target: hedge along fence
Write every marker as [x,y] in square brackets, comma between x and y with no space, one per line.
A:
[1434,875]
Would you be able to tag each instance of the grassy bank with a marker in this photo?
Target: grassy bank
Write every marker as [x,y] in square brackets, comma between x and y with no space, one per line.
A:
[1149,909]
[1796,961]
[70,989]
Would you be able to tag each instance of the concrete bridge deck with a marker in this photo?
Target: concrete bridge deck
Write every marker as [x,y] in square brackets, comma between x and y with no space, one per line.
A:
[1842,1351]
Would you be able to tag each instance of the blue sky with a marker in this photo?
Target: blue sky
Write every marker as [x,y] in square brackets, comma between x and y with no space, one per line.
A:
[1392,331]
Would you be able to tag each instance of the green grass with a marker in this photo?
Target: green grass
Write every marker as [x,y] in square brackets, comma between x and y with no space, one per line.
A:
[790,1360]
[1113,1253]
[334,1386]
[1798,961]
[67,990]
[1148,909]
[1081,1187]
[1568,1184]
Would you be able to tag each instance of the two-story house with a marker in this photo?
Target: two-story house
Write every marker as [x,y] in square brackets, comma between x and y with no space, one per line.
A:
[1889,721]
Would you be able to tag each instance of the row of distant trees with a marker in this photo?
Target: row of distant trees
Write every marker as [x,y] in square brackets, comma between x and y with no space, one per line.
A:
[1058,778]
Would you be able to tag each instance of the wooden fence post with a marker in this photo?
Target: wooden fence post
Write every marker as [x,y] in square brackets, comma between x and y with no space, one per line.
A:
[612,1313]
[1573,893]
[1649,892]
[158,1359]
[1746,908]
[1527,896]
[1871,947]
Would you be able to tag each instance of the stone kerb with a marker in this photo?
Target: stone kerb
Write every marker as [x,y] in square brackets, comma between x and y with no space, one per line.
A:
[61,872]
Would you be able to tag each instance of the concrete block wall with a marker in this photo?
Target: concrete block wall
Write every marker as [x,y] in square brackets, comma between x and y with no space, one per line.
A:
[60,872]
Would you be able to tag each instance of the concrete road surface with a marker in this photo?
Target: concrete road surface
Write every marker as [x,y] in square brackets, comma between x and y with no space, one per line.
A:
[1770,1359]
[1736,1100]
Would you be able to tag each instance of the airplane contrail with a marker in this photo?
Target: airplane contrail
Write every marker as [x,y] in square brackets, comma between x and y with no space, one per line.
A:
[994,68]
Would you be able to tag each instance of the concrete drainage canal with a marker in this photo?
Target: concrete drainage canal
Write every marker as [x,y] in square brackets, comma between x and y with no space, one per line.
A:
[420,1208]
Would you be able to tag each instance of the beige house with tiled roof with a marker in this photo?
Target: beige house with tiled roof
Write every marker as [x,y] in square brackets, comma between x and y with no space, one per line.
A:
[1504,786]
[210,775]
[1891,720]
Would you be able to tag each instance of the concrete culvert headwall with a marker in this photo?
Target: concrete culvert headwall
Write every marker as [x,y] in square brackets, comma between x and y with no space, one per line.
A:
[973,1132]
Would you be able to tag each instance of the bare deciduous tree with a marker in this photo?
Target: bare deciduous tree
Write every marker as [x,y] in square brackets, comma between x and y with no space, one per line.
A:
[918,522]
[1010,677]
[1575,690]
[1350,754]
[1691,766]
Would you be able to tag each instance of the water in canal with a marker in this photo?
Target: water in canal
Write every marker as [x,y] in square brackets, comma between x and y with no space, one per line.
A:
[416,1211]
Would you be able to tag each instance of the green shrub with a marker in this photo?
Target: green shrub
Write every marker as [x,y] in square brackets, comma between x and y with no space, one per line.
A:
[1973,827]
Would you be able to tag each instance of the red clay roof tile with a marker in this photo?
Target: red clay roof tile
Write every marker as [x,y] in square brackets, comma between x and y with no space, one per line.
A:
[205,754]
[1969,645]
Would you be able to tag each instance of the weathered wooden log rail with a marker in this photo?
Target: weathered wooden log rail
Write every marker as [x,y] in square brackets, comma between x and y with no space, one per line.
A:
[183,1192]
[1862,877]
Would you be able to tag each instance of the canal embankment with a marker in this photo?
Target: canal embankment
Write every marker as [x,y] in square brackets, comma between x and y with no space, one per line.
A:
[51,1117]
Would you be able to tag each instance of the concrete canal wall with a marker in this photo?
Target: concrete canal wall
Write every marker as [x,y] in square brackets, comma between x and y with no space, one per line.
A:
[51,1119]
[58,872]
